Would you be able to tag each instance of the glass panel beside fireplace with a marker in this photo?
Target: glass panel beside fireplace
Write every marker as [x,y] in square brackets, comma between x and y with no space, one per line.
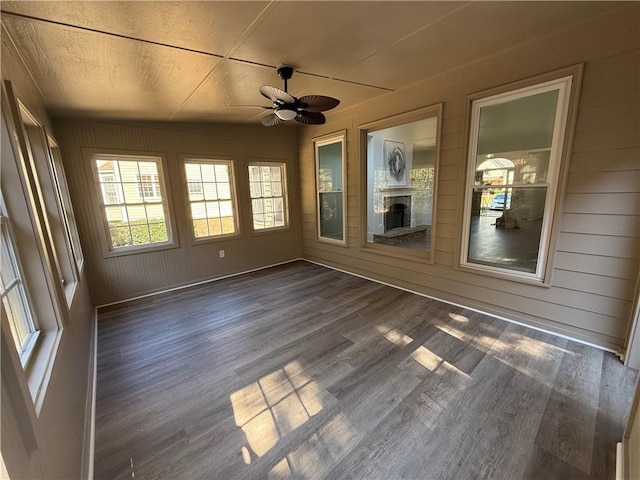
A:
[401,167]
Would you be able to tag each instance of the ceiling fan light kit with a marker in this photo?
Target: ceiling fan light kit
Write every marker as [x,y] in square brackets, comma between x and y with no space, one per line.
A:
[305,110]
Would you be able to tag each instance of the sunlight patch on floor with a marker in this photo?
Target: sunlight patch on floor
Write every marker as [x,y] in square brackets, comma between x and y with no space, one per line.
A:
[432,362]
[398,338]
[275,405]
[327,446]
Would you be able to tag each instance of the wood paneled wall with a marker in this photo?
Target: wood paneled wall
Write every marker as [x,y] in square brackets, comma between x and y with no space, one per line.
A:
[597,256]
[123,277]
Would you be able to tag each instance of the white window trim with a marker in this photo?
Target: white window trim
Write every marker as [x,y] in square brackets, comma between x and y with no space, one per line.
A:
[70,223]
[320,142]
[285,195]
[215,159]
[99,208]
[567,83]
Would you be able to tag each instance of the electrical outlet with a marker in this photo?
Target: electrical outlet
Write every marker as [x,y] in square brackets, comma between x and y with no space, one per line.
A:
[221,253]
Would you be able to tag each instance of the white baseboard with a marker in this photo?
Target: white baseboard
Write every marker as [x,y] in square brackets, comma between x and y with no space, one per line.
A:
[620,461]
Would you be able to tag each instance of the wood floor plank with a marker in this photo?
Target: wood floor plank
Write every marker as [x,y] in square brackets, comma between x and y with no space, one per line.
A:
[567,429]
[304,372]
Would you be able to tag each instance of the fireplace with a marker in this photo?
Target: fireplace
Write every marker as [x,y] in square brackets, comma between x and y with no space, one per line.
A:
[397,212]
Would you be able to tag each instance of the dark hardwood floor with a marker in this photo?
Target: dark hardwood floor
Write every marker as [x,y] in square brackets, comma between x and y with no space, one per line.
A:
[300,371]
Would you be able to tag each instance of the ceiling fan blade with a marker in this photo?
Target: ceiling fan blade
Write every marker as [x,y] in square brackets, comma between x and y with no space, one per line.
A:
[273,94]
[310,118]
[271,120]
[318,103]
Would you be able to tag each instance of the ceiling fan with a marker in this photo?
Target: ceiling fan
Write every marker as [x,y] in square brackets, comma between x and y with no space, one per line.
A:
[306,110]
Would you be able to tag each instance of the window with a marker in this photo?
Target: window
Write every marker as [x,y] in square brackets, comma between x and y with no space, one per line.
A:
[69,222]
[211,198]
[30,243]
[132,201]
[148,187]
[515,150]
[110,191]
[15,301]
[401,178]
[46,187]
[331,173]
[267,183]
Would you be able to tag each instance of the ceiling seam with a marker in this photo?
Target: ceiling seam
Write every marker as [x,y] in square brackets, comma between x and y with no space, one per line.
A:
[236,44]
[404,38]
[261,17]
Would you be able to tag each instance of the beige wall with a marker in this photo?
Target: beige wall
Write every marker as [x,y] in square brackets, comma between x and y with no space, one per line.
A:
[117,278]
[597,251]
[52,444]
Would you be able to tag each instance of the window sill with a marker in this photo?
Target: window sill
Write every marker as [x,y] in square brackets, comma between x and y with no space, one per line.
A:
[217,238]
[40,366]
[494,272]
[141,249]
[267,231]
[331,241]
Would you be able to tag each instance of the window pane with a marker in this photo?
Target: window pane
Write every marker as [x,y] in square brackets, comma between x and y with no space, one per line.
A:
[19,317]
[14,296]
[522,124]
[266,187]
[140,232]
[512,168]
[120,236]
[8,270]
[506,227]
[256,190]
[200,228]
[155,213]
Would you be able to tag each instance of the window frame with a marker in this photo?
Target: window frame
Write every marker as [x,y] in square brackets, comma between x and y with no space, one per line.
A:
[423,113]
[31,324]
[46,191]
[100,208]
[59,179]
[210,159]
[330,139]
[567,81]
[285,195]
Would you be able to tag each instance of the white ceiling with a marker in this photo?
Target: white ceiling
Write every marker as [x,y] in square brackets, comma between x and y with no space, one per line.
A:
[181,60]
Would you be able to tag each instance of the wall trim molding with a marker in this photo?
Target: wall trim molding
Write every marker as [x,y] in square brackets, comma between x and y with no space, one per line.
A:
[474,309]
[90,409]
[195,284]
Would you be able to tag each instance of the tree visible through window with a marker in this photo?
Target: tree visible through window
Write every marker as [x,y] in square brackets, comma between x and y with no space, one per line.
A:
[132,200]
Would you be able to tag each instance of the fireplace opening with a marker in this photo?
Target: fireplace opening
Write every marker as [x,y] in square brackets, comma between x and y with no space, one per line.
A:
[395,216]
[398,212]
